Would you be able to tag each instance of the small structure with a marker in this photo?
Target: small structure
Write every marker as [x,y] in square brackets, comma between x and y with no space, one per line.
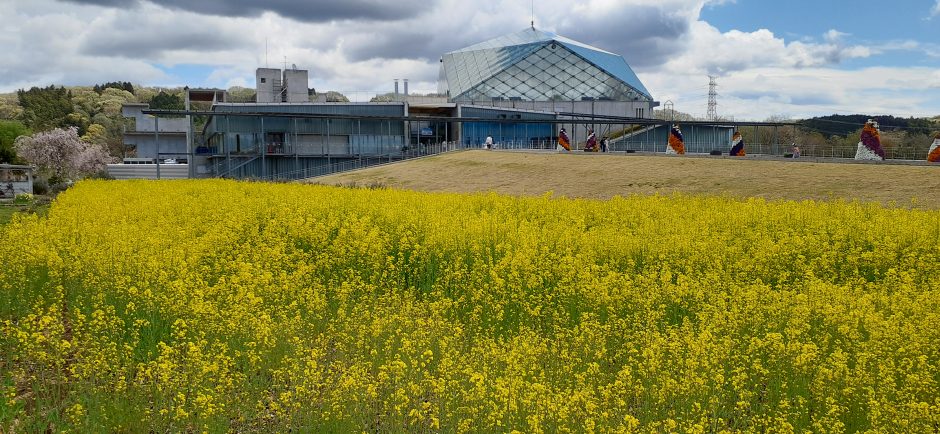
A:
[933,155]
[869,146]
[274,85]
[676,144]
[737,145]
[15,180]
[563,141]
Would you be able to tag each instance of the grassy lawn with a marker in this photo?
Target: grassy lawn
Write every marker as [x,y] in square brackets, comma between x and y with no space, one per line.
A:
[7,211]
[603,176]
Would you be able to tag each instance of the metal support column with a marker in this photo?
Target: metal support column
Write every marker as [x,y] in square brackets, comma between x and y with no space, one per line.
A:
[156,141]
[264,150]
[775,140]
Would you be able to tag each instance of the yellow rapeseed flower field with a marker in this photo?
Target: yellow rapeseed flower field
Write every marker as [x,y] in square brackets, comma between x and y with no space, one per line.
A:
[224,306]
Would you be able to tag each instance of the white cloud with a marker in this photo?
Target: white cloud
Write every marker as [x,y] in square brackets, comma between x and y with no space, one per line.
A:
[667,43]
[758,93]
[834,36]
[711,52]
[43,49]
[936,9]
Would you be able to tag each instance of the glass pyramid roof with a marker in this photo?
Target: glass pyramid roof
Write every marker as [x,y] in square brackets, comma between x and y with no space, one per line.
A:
[538,65]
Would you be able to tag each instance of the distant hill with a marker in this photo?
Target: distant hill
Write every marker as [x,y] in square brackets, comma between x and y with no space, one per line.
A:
[843,125]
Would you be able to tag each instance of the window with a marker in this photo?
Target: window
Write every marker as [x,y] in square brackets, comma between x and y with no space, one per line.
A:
[275,143]
[640,113]
[275,138]
[264,80]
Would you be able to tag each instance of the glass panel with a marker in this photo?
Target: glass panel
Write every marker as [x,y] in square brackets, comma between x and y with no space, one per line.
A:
[537,72]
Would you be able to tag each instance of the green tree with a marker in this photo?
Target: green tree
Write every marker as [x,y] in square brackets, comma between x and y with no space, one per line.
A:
[673,115]
[385,97]
[919,126]
[9,107]
[167,101]
[46,108]
[241,94]
[333,96]
[96,134]
[122,85]
[86,101]
[144,94]
[9,131]
[113,99]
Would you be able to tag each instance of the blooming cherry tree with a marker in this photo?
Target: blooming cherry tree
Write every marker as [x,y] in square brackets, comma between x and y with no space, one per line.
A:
[61,154]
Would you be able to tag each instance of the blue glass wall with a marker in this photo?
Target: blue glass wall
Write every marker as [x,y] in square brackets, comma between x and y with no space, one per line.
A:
[497,124]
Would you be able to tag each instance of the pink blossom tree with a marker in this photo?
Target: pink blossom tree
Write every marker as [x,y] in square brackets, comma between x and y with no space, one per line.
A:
[61,154]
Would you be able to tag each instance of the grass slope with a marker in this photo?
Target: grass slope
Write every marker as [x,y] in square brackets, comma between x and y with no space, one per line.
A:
[606,176]
[8,210]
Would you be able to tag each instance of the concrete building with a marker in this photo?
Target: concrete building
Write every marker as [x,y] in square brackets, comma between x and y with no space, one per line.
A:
[274,85]
[140,140]
[502,88]
[168,140]
[526,77]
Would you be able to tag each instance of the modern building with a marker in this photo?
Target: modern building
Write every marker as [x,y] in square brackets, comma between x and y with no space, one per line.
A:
[244,145]
[539,70]
[140,140]
[170,140]
[502,88]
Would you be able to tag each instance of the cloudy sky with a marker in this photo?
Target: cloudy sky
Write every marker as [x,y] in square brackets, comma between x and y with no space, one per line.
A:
[792,58]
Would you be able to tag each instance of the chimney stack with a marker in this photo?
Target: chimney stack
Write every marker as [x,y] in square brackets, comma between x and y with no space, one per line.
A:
[406,86]
[396,87]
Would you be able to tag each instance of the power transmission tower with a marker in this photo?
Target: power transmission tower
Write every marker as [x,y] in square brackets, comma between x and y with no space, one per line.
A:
[712,98]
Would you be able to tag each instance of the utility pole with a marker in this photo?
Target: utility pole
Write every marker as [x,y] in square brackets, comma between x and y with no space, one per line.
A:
[712,98]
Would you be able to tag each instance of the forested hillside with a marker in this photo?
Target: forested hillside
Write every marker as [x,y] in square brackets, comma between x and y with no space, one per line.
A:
[94,110]
[847,124]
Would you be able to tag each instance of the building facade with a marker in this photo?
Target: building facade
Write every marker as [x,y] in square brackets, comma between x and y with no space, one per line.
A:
[541,71]
[274,85]
[141,142]
[15,180]
[499,89]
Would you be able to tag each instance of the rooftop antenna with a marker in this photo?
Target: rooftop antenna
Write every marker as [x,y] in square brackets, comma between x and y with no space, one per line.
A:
[266,53]
[285,63]
[533,14]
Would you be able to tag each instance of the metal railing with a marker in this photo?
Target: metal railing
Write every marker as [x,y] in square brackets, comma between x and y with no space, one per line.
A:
[830,151]
[406,153]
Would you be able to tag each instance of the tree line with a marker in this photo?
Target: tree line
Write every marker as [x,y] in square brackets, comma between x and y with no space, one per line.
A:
[93,111]
[71,132]
[835,135]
